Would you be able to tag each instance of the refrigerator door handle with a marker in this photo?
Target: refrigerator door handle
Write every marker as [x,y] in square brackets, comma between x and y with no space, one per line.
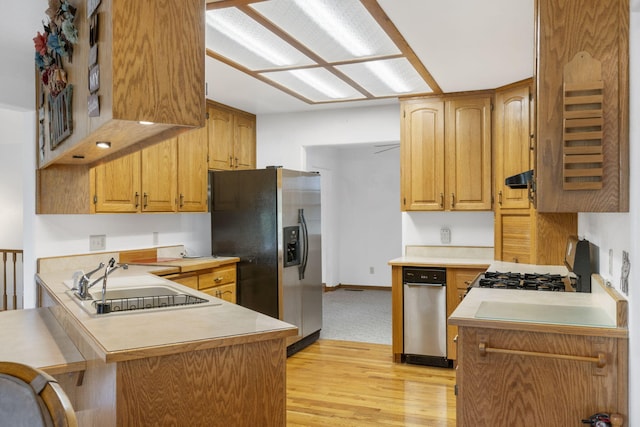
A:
[305,244]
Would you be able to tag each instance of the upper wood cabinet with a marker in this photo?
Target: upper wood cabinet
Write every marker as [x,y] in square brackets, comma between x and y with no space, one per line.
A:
[168,177]
[147,73]
[446,153]
[192,171]
[581,30]
[232,138]
[512,145]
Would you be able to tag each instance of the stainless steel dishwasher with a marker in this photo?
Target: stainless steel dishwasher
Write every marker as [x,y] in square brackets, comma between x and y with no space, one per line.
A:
[425,316]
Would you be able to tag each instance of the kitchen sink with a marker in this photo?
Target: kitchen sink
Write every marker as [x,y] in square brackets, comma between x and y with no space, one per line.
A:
[127,299]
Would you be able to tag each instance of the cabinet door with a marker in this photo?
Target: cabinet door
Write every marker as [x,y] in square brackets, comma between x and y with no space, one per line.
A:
[422,156]
[220,138]
[468,154]
[117,185]
[225,292]
[159,177]
[244,142]
[512,144]
[192,171]
[513,236]
[458,280]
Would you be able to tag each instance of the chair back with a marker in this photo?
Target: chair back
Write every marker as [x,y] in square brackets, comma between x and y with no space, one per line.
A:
[30,397]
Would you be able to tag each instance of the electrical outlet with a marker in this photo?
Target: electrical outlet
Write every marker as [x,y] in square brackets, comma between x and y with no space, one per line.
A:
[98,242]
[445,235]
[371,270]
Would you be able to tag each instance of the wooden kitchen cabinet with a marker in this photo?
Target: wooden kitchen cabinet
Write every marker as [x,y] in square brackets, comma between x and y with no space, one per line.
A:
[521,233]
[219,282]
[192,172]
[513,144]
[170,176]
[445,146]
[517,386]
[458,280]
[584,43]
[232,138]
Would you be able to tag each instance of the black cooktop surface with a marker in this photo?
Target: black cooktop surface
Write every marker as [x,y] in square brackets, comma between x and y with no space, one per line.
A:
[526,281]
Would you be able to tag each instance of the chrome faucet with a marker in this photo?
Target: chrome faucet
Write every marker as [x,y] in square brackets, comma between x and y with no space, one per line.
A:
[82,291]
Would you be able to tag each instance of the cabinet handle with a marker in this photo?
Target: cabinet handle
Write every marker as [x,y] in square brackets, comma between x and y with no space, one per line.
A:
[137,199]
[144,200]
[218,279]
[515,259]
[500,197]
[181,200]
[600,360]
[453,200]
[442,200]
[460,297]
[230,161]
[236,163]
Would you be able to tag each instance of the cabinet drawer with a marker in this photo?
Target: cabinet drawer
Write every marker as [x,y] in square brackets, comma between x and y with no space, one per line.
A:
[190,280]
[218,276]
[225,292]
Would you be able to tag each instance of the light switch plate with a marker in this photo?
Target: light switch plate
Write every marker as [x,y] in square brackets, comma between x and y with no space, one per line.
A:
[445,235]
[98,242]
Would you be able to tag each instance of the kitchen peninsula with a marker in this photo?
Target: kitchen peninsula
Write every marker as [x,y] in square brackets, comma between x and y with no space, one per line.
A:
[541,358]
[214,364]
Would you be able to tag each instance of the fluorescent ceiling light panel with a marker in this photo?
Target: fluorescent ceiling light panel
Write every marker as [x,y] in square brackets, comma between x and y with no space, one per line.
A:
[386,77]
[335,30]
[232,31]
[315,84]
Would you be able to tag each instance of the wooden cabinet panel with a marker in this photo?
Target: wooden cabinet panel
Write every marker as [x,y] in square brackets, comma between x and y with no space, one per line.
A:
[445,150]
[117,185]
[219,276]
[422,156]
[232,138]
[220,125]
[468,153]
[192,172]
[564,29]
[244,142]
[512,144]
[190,281]
[458,280]
[513,241]
[506,389]
[225,292]
[158,164]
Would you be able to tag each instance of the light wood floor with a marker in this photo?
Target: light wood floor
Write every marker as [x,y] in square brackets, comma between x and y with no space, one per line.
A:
[342,383]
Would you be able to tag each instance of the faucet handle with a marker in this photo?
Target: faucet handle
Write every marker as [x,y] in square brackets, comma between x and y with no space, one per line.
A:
[93,271]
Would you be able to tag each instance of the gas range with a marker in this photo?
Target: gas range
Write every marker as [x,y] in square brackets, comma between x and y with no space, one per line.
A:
[523,281]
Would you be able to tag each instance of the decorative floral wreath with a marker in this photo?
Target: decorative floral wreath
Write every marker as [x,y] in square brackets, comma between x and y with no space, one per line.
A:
[60,34]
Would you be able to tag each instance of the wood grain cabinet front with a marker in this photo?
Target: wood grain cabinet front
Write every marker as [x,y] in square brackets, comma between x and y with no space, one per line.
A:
[458,280]
[445,150]
[582,105]
[219,282]
[170,176]
[232,138]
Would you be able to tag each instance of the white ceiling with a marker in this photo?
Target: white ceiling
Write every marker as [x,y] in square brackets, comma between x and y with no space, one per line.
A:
[465,44]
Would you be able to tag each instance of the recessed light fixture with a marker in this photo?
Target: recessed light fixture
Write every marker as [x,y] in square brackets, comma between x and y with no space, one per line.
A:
[103,144]
[142,122]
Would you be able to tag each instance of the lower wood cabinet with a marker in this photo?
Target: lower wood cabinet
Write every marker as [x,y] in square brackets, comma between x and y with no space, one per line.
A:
[532,378]
[219,282]
[458,280]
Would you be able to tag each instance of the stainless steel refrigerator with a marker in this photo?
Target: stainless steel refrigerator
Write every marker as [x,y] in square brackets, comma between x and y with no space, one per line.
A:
[270,219]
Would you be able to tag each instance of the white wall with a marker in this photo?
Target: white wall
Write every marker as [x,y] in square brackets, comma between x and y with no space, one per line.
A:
[467,228]
[54,235]
[361,217]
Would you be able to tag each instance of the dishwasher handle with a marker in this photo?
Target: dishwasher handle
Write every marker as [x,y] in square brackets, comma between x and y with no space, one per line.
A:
[433,285]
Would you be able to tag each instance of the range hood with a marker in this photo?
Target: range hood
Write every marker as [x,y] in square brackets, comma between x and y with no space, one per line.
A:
[520,180]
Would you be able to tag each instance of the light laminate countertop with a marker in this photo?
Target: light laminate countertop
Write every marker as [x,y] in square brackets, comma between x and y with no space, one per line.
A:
[562,312]
[429,261]
[144,333]
[35,338]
